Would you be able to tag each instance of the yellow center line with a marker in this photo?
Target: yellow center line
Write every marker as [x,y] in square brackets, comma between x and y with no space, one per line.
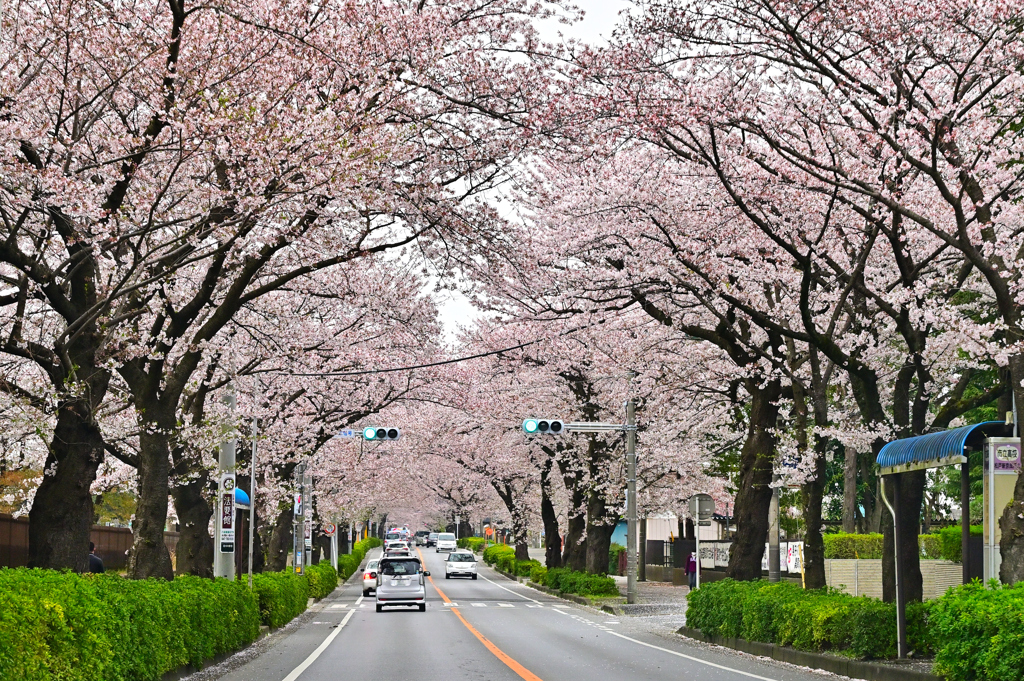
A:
[519,669]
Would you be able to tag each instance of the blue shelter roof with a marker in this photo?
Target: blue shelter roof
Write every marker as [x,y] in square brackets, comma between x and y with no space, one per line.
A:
[945,448]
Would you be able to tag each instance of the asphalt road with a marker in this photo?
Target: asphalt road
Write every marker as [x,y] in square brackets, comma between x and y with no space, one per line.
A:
[495,629]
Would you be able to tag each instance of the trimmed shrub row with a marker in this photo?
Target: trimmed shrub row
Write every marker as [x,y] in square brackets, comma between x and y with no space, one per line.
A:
[614,551]
[349,563]
[474,544]
[944,544]
[282,596]
[323,579]
[61,625]
[503,557]
[979,633]
[581,583]
[785,614]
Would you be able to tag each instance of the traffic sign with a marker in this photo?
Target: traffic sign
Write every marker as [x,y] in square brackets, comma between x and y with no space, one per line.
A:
[346,432]
[227,513]
[701,506]
[330,529]
[298,505]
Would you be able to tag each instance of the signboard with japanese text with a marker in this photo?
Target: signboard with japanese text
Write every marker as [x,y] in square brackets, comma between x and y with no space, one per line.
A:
[227,513]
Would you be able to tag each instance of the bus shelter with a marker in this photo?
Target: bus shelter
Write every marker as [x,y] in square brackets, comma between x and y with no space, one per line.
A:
[934,450]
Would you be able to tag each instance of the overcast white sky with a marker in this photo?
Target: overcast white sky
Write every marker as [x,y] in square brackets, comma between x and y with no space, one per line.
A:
[597,25]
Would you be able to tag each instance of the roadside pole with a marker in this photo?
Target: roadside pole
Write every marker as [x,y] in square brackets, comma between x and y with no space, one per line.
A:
[252,496]
[298,519]
[224,556]
[631,498]
[307,525]
[774,566]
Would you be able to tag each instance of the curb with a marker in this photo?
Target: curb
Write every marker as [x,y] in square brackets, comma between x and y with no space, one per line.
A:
[572,598]
[856,669]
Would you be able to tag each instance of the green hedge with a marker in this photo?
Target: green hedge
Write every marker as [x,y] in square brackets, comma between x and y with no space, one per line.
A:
[981,632]
[539,574]
[282,596]
[949,542]
[784,614]
[492,553]
[614,551]
[349,563]
[323,579]
[61,625]
[474,544]
[843,545]
[582,583]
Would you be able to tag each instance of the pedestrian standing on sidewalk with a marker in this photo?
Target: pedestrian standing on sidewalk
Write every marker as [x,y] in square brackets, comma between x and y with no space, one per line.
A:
[95,563]
[691,570]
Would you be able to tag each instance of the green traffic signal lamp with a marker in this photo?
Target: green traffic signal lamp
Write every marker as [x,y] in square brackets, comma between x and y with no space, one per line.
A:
[543,426]
[374,433]
[369,433]
[530,426]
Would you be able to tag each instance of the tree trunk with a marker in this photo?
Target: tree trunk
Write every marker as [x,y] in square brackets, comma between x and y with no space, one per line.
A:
[194,553]
[600,527]
[850,491]
[1011,524]
[813,492]
[755,476]
[280,544]
[642,550]
[574,552]
[552,537]
[149,556]
[62,510]
[911,495]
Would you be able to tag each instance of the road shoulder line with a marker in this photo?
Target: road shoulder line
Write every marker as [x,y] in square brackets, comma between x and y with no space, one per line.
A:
[295,673]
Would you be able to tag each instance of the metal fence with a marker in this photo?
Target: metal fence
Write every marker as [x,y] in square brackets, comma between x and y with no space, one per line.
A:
[112,543]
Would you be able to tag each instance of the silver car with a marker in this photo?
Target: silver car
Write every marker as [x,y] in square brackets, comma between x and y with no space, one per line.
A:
[370,577]
[401,581]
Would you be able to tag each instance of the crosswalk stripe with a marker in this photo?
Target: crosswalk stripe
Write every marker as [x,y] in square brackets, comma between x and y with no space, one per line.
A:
[505,605]
[479,605]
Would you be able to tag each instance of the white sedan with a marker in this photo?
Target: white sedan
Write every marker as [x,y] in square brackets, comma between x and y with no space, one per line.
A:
[370,577]
[460,564]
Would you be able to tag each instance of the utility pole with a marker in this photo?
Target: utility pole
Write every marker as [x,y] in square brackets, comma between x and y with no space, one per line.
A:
[224,557]
[252,496]
[298,519]
[774,567]
[307,527]
[631,497]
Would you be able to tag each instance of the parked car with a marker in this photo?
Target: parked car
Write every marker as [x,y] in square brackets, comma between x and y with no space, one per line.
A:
[421,538]
[460,564]
[432,539]
[370,577]
[400,581]
[446,542]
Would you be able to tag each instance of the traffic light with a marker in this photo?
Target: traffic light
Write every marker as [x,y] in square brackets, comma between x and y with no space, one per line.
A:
[543,427]
[374,433]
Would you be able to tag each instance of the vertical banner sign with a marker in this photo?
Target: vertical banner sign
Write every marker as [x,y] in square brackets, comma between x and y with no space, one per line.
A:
[298,505]
[227,513]
[309,534]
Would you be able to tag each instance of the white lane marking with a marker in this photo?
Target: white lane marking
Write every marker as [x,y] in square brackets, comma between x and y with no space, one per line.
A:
[534,605]
[339,606]
[479,605]
[612,622]
[359,600]
[450,605]
[321,648]
[682,655]
[510,590]
[505,605]
[361,606]
[561,607]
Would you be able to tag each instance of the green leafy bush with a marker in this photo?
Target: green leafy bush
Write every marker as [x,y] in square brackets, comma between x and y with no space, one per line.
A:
[784,614]
[492,553]
[474,544]
[282,596]
[506,562]
[949,542]
[60,625]
[614,550]
[582,583]
[980,633]
[538,574]
[323,579]
[348,564]
[843,545]
[930,546]
[525,567]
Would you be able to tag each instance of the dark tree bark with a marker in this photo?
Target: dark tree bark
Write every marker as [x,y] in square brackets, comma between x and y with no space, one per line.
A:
[552,537]
[62,511]
[850,491]
[194,554]
[600,527]
[1011,524]
[754,492]
[149,556]
[911,496]
[574,553]
[280,544]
